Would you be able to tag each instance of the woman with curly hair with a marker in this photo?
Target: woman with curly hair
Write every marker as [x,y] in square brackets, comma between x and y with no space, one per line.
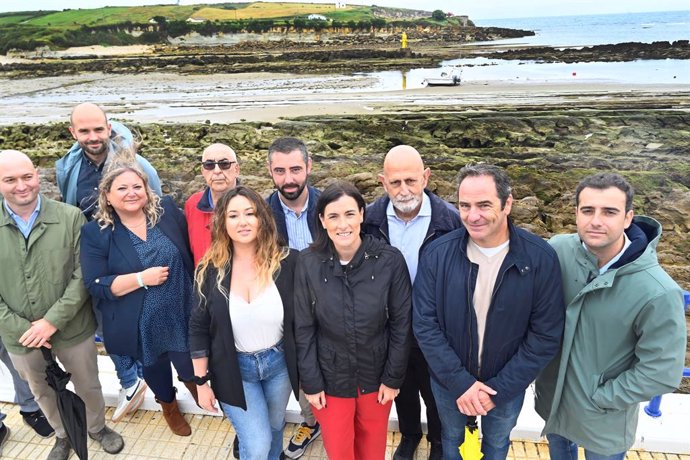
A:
[137,265]
[241,331]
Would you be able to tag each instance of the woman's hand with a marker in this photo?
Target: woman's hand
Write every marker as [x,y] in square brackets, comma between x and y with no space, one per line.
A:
[318,400]
[207,399]
[386,394]
[154,276]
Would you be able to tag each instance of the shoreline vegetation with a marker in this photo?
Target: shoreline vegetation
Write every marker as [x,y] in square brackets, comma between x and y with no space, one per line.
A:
[548,136]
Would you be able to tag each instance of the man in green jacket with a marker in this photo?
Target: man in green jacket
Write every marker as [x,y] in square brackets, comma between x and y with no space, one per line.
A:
[43,301]
[625,334]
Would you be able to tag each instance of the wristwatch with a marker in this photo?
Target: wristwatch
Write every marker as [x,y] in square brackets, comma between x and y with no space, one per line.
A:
[201,380]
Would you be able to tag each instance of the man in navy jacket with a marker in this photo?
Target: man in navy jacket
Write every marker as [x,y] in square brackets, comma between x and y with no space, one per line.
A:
[294,208]
[488,313]
[409,217]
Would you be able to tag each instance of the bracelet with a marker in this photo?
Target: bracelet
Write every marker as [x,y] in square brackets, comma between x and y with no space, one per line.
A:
[140,281]
[202,380]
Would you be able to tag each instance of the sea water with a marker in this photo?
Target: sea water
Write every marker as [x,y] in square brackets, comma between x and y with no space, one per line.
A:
[561,31]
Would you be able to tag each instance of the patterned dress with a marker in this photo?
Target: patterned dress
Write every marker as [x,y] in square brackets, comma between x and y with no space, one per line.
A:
[165,315]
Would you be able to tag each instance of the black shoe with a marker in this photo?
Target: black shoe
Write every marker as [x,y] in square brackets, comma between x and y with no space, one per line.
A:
[4,436]
[436,451]
[38,422]
[407,447]
[236,448]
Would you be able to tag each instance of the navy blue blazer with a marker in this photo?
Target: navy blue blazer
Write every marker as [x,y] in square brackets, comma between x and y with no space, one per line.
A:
[108,253]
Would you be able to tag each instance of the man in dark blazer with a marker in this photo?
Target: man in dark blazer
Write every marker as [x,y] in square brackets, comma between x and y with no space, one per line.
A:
[294,207]
[408,217]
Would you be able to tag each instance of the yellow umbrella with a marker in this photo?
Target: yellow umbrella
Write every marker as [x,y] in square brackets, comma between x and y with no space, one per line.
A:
[470,449]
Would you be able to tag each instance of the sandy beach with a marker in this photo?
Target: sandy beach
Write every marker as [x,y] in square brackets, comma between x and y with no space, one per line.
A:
[229,98]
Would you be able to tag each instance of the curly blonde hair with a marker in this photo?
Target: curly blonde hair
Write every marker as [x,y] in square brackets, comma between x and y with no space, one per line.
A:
[105,215]
[269,252]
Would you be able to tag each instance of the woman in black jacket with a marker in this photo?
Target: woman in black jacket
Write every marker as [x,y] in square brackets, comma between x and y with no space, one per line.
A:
[241,330]
[352,327]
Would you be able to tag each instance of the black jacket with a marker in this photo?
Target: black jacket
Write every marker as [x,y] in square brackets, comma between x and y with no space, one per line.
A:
[444,218]
[210,333]
[352,325]
[279,215]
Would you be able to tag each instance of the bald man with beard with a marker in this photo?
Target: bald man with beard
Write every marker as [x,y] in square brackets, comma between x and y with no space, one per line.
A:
[408,217]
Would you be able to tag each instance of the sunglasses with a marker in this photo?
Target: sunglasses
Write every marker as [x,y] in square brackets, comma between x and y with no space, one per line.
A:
[210,165]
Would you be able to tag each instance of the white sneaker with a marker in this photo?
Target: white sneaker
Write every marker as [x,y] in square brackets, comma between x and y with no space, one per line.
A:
[129,399]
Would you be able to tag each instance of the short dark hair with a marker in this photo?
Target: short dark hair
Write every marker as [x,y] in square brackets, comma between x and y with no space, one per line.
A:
[602,181]
[287,145]
[501,179]
[330,194]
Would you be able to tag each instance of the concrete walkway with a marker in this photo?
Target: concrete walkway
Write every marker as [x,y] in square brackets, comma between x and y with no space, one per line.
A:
[147,435]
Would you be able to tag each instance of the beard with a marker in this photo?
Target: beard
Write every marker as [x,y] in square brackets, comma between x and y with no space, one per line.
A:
[94,149]
[406,204]
[292,195]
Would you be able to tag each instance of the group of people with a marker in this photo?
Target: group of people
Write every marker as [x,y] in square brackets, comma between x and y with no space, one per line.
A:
[349,307]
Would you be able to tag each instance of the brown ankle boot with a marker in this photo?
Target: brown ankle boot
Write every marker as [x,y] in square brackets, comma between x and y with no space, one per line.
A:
[191,386]
[174,418]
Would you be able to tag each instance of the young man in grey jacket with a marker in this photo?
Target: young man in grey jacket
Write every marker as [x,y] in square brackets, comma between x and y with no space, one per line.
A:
[625,337]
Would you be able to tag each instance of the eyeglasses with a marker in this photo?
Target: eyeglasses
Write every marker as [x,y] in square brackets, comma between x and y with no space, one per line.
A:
[210,165]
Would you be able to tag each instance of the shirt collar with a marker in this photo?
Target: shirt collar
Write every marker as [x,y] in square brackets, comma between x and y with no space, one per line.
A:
[424,211]
[16,216]
[287,209]
[615,258]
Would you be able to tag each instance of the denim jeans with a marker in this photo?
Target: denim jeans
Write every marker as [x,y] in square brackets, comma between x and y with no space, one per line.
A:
[561,448]
[267,389]
[127,369]
[496,425]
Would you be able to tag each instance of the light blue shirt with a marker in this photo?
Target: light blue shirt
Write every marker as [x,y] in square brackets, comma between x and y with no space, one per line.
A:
[409,236]
[297,226]
[25,227]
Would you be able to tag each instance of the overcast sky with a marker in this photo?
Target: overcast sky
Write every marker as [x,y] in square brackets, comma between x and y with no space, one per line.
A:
[473,8]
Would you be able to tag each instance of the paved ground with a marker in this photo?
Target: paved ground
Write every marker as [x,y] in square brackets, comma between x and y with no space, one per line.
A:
[147,436]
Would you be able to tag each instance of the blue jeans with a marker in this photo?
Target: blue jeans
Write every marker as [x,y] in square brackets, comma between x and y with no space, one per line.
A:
[128,370]
[267,389]
[561,448]
[496,425]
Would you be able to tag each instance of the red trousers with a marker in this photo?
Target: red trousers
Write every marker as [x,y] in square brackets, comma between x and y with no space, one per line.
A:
[354,428]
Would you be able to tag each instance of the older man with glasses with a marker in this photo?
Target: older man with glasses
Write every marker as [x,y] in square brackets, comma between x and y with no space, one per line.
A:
[220,169]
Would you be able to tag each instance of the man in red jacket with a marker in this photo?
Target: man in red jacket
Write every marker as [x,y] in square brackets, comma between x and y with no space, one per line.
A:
[220,169]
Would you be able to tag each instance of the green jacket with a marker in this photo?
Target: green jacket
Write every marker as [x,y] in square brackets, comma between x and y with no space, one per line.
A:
[624,342]
[41,277]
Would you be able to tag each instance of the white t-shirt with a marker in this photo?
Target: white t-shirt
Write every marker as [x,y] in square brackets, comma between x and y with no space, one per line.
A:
[257,325]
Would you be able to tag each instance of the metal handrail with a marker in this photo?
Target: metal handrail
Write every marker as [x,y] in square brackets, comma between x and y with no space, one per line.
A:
[653,409]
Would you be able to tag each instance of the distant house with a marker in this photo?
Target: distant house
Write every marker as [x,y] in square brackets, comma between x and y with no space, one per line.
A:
[153,21]
[340,5]
[317,17]
[196,20]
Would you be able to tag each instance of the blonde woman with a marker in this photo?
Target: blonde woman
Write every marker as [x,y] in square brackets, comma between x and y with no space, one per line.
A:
[241,330]
[138,267]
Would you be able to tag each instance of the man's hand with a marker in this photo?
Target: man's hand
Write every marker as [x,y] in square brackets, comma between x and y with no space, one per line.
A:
[470,402]
[486,401]
[38,335]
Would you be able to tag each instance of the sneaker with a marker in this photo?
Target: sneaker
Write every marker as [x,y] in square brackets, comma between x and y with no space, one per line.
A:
[299,442]
[60,450]
[4,436]
[129,399]
[109,440]
[38,422]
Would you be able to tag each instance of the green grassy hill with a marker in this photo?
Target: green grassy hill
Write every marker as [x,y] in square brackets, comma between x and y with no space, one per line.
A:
[110,25]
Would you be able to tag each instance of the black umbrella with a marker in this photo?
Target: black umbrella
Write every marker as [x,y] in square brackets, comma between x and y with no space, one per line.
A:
[71,407]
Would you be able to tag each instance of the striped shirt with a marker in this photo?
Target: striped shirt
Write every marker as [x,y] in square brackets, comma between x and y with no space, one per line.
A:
[297,226]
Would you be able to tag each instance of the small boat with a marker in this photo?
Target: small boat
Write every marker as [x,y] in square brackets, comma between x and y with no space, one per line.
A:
[446,79]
